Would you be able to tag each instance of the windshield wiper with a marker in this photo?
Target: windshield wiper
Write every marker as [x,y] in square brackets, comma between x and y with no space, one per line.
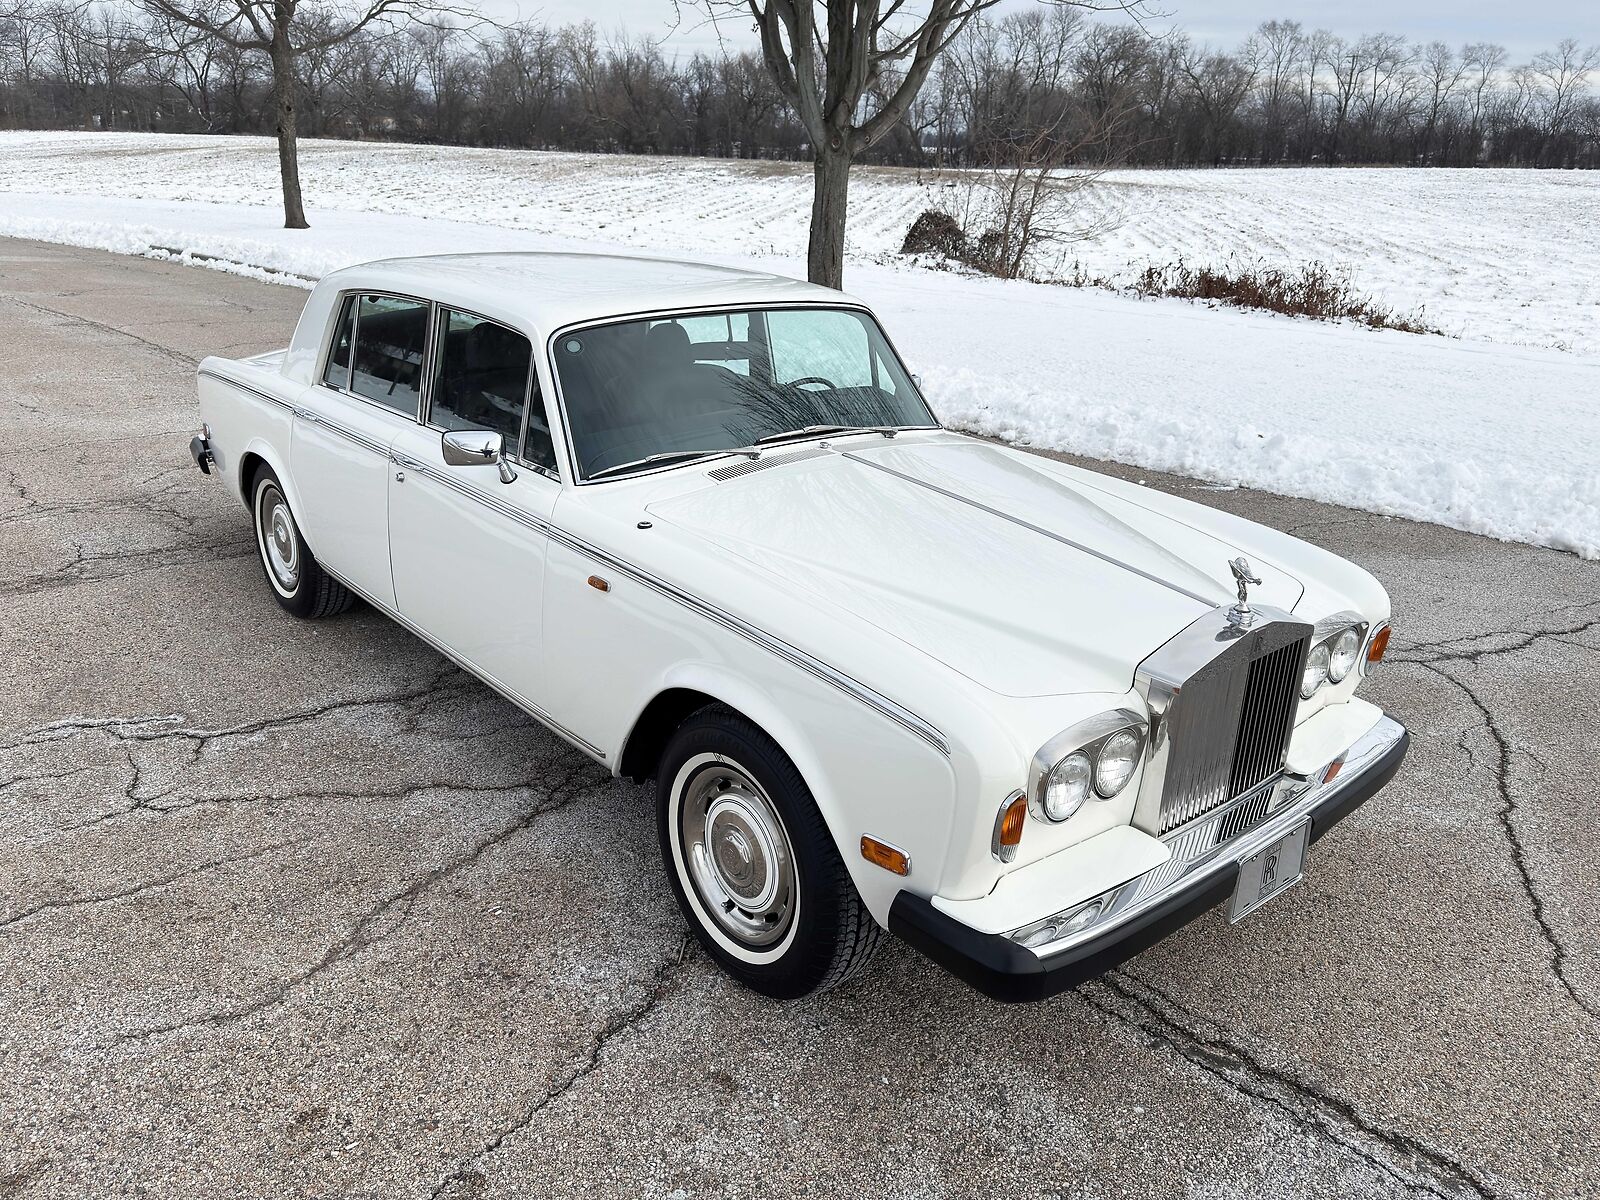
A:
[674,456]
[888,431]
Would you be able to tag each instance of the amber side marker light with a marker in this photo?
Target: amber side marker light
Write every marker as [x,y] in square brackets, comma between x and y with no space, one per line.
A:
[598,584]
[1378,646]
[890,858]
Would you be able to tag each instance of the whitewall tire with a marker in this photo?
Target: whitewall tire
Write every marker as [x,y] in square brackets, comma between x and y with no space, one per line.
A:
[752,863]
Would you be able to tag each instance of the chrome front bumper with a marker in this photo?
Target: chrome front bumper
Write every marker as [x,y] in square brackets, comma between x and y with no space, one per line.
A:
[1199,874]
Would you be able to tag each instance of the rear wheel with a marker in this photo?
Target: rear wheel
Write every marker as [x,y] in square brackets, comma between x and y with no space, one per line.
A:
[752,863]
[300,584]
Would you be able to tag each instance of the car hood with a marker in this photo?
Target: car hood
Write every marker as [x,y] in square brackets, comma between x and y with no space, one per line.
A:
[996,563]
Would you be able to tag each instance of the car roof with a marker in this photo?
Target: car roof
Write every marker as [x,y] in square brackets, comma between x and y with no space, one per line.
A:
[546,291]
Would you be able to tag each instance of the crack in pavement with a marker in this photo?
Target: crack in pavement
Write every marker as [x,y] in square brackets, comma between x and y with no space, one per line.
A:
[1416,653]
[149,885]
[372,927]
[1337,1120]
[75,319]
[160,727]
[402,792]
[1500,771]
[156,559]
[663,981]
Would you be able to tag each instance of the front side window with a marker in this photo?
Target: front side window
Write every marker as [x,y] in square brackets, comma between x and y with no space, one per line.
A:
[641,393]
[391,342]
[483,382]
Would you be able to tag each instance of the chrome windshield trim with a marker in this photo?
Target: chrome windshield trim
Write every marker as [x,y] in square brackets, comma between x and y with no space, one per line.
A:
[1193,863]
[579,479]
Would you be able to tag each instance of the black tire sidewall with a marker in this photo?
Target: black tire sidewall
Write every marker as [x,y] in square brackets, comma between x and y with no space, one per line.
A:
[302,599]
[811,952]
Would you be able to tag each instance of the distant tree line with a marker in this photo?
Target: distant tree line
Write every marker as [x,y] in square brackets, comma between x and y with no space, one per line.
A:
[1099,92]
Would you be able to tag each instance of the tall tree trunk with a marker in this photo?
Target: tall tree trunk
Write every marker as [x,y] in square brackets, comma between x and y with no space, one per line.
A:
[825,253]
[283,88]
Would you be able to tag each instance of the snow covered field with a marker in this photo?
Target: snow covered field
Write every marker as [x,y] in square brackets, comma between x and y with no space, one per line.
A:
[1493,433]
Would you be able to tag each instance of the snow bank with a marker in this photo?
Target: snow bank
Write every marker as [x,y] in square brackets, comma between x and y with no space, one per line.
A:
[1494,439]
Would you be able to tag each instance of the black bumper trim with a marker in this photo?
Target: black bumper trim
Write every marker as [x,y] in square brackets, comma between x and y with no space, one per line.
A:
[1004,970]
[200,451]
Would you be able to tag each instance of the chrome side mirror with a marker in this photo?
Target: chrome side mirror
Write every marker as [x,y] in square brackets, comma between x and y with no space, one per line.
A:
[476,448]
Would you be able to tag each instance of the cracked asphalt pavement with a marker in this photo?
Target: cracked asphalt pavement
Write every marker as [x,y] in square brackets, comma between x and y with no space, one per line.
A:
[298,909]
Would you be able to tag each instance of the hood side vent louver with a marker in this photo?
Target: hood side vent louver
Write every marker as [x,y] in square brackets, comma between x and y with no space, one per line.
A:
[750,465]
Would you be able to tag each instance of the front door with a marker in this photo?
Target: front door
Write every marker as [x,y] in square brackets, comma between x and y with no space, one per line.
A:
[343,430]
[467,549]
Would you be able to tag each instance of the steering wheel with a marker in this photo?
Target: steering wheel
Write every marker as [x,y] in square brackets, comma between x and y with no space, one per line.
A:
[827,383]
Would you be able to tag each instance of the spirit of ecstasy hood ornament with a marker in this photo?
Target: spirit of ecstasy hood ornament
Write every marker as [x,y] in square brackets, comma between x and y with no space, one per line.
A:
[1240,615]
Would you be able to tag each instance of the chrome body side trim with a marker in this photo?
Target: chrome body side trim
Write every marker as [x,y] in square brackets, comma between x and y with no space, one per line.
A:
[1198,853]
[279,401]
[897,713]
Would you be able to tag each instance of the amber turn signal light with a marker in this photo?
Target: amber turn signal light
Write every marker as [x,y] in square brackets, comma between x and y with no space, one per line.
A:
[1011,822]
[1380,643]
[890,858]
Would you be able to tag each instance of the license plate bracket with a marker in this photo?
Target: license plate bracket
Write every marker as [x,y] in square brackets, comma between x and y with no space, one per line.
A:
[1269,872]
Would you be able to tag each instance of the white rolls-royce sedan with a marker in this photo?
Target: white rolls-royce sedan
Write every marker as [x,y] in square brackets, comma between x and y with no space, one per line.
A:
[702,524]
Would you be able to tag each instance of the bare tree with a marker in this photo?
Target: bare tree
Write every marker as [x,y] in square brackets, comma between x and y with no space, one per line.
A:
[282,30]
[1484,61]
[1563,74]
[1442,73]
[829,58]
[1218,84]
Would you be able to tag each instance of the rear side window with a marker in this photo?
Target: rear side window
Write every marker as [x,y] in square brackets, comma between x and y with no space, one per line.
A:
[337,372]
[483,383]
[391,341]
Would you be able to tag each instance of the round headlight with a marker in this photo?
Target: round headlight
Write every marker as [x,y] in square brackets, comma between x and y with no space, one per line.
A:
[1316,670]
[1066,787]
[1342,658]
[1115,762]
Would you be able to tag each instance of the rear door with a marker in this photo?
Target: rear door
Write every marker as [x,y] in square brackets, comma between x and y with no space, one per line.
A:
[345,425]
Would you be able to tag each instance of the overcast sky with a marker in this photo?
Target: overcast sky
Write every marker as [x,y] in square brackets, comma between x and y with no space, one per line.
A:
[1523,28]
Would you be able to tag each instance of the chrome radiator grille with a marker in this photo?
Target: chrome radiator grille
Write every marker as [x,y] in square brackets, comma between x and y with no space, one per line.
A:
[1226,705]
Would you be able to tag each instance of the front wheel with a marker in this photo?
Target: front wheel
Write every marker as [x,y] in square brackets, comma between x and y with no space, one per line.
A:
[298,581]
[752,863]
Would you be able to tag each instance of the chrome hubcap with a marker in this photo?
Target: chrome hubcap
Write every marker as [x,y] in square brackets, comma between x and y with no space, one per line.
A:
[280,545]
[738,854]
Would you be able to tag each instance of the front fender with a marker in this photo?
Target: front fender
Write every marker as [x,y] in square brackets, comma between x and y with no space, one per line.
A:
[866,774]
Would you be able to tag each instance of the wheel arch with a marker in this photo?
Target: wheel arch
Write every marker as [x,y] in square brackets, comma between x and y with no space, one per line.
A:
[653,728]
[257,453]
[690,686]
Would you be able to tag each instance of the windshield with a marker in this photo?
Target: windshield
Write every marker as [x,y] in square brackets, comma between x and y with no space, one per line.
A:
[643,394]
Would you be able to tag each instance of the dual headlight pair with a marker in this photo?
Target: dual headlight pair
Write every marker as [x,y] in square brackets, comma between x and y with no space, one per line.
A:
[1332,659]
[1096,758]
